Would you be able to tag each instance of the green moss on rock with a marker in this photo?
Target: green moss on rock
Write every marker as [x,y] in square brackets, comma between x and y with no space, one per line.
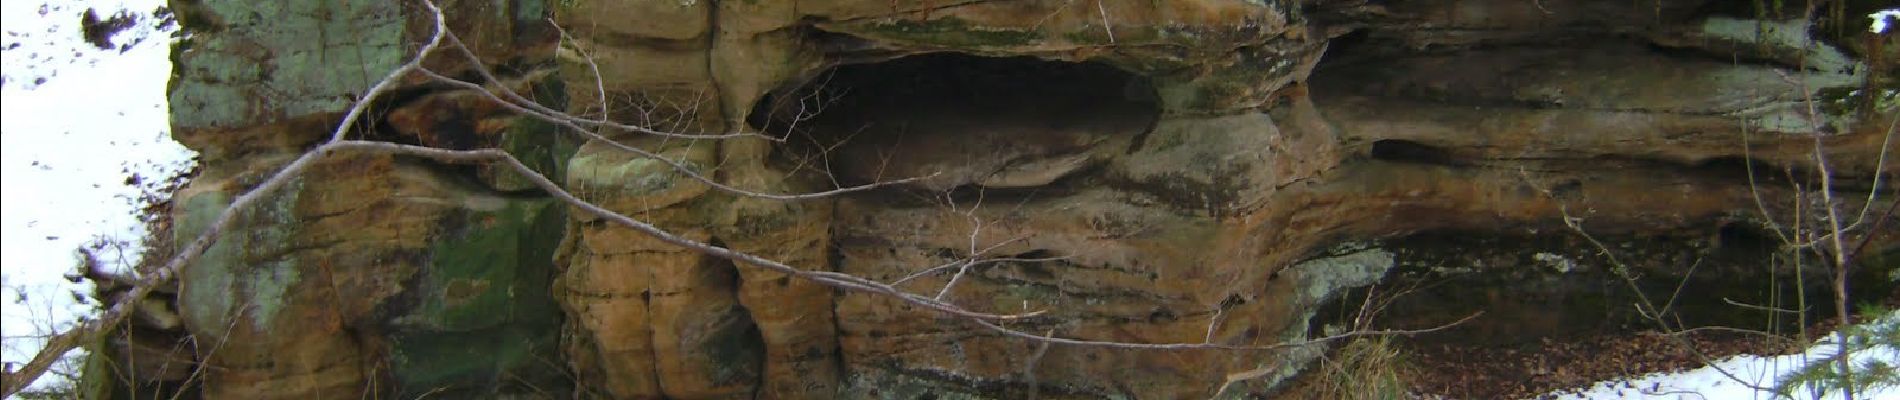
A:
[484,322]
[948,32]
[277,60]
[539,145]
[245,270]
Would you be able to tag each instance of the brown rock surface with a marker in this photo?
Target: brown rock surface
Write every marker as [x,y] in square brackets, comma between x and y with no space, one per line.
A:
[1182,171]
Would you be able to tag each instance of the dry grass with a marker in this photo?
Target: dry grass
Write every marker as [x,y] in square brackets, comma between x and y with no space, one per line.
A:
[1367,368]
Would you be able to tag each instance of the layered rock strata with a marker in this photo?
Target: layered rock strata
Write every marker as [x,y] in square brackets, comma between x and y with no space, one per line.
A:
[1187,171]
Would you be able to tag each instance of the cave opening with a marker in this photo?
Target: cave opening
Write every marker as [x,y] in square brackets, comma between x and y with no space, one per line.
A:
[1406,151]
[962,120]
[1551,300]
[1536,286]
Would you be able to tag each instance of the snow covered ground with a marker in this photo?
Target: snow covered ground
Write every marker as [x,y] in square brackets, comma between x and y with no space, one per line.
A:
[76,120]
[1753,371]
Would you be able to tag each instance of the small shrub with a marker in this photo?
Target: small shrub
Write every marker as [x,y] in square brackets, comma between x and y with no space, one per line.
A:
[1823,375]
[1367,368]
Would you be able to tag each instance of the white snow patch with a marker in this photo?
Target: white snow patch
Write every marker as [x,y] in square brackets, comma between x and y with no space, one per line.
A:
[1880,19]
[1710,384]
[1558,262]
[75,122]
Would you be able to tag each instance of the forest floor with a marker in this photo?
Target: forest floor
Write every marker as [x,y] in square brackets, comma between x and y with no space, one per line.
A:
[1609,365]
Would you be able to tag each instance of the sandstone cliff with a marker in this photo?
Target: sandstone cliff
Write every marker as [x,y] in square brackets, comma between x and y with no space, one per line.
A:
[1179,171]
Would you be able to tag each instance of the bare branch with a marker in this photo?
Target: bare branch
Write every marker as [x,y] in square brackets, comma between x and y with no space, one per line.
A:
[1216,346]
[1644,306]
[506,95]
[63,342]
[117,313]
[971,261]
[1029,366]
[1760,307]
[599,86]
[389,81]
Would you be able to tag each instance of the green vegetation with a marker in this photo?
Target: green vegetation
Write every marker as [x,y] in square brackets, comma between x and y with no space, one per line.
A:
[1822,375]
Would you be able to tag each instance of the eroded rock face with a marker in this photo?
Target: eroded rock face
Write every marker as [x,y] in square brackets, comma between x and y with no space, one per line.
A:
[1139,171]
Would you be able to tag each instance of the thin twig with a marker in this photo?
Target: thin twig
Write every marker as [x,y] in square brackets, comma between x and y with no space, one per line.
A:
[1216,346]
[676,165]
